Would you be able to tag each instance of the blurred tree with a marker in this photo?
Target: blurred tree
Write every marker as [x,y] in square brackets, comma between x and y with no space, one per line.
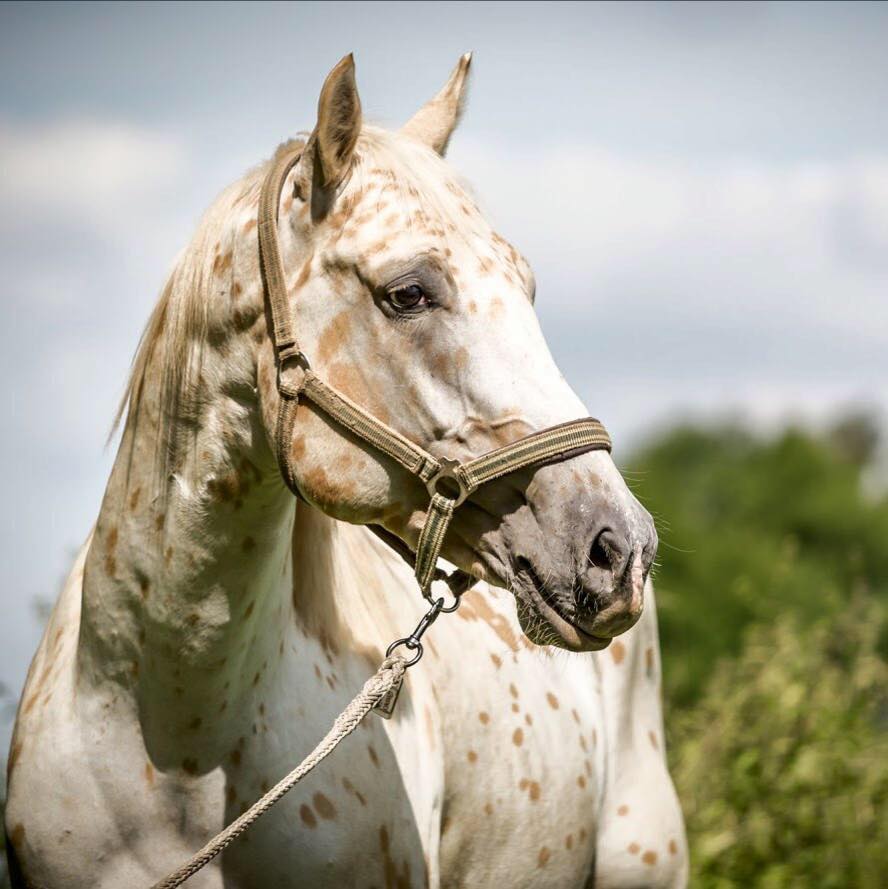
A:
[856,437]
[751,530]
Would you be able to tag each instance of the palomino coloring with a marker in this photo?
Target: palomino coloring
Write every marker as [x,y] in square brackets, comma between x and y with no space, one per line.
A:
[212,626]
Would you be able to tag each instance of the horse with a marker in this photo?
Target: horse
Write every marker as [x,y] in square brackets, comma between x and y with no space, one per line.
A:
[213,626]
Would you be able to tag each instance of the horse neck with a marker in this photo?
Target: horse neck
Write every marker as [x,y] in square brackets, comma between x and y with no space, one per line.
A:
[173,576]
[184,561]
[189,587]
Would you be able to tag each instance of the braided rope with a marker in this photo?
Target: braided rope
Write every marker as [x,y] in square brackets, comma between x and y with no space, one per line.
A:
[390,672]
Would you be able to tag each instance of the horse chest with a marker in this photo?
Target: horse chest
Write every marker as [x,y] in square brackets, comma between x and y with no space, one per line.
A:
[523,757]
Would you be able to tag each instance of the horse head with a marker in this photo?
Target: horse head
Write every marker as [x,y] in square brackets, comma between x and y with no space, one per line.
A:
[408,302]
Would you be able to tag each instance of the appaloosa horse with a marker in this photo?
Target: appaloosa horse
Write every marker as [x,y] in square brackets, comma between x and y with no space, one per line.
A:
[213,626]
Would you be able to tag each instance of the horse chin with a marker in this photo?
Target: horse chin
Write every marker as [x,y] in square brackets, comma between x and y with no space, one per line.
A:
[543,625]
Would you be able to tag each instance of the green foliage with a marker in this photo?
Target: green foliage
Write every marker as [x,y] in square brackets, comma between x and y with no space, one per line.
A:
[773,599]
[751,530]
[781,766]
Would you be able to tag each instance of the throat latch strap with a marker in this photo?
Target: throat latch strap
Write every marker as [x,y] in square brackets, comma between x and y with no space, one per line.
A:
[450,483]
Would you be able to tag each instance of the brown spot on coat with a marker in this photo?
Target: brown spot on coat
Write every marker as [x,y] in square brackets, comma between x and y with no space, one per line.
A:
[307,816]
[484,717]
[221,263]
[518,737]
[618,651]
[633,848]
[543,856]
[134,499]
[324,807]
[472,757]
[649,858]
[350,788]
[673,847]
[553,701]
[623,810]
[304,274]
[479,608]
[654,742]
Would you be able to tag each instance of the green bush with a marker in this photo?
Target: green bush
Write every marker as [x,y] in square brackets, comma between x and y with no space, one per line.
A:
[782,767]
[752,529]
[773,600]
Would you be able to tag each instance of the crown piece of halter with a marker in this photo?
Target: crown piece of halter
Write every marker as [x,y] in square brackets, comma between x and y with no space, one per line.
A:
[449,482]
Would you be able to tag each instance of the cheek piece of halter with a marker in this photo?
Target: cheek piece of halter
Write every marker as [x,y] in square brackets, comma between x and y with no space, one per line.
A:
[449,482]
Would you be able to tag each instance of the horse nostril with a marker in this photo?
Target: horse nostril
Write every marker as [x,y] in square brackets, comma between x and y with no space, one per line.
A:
[599,556]
[609,552]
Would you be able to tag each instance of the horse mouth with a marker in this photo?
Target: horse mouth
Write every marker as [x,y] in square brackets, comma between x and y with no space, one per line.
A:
[567,634]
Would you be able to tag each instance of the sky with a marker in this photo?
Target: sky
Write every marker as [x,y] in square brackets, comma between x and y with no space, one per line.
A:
[702,190]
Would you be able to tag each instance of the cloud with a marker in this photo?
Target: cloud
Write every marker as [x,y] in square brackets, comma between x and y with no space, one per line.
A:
[85,169]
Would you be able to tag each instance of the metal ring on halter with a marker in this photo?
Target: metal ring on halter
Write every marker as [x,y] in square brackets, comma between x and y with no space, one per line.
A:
[417,647]
[433,600]
[290,355]
[448,471]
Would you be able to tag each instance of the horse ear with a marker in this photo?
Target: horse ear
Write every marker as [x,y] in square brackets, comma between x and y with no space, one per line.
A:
[338,126]
[435,122]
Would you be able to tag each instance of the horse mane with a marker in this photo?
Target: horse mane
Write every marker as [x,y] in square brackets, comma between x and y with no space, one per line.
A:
[176,331]
[174,337]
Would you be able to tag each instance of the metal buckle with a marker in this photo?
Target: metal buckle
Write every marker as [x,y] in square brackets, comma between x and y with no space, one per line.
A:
[449,469]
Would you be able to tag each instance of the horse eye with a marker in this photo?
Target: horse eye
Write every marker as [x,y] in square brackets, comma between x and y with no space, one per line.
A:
[410,298]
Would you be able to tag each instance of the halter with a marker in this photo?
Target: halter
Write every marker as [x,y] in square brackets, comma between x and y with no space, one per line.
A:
[449,482]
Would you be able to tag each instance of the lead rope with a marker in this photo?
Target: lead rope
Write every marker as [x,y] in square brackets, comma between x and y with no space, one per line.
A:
[449,483]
